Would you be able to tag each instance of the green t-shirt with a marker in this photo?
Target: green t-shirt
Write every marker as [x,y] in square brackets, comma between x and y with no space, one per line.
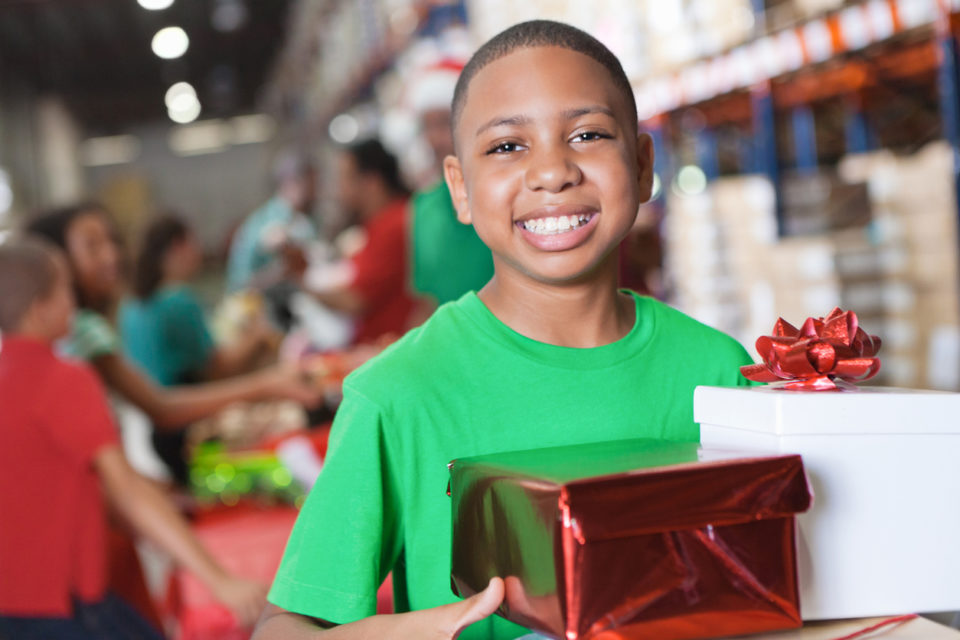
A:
[465,384]
[448,258]
[167,335]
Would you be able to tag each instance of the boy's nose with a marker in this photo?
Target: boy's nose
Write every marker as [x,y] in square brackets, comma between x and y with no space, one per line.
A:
[551,171]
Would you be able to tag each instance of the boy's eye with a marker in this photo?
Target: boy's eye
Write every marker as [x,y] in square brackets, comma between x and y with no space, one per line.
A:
[504,147]
[590,136]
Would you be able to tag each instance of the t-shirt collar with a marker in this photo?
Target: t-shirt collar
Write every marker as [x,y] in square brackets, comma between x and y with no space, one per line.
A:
[15,344]
[565,357]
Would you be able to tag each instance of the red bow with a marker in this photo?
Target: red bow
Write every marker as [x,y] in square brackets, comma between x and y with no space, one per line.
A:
[813,357]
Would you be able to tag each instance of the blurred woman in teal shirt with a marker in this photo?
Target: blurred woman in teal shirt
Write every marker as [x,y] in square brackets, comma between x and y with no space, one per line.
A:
[164,330]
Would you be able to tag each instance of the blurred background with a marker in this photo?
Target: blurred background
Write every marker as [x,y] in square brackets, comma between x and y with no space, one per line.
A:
[807,149]
[806,158]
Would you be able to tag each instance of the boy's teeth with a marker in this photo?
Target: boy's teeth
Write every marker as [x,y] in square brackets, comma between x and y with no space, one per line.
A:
[554,225]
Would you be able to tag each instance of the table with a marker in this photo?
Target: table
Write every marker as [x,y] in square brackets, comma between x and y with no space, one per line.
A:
[248,541]
[916,629]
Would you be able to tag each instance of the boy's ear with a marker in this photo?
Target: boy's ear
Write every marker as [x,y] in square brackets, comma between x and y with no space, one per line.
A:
[453,174]
[645,166]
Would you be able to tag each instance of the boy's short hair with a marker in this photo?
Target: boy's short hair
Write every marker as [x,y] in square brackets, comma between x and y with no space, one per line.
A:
[371,157]
[27,274]
[541,33]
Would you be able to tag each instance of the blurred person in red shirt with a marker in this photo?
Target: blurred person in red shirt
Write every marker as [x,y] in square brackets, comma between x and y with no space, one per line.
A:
[371,283]
[62,467]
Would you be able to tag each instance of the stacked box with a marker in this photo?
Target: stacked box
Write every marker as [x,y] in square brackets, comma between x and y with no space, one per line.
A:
[631,539]
[899,273]
[882,463]
[696,263]
[916,232]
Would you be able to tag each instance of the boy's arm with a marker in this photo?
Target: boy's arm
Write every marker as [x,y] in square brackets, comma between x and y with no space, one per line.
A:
[152,515]
[439,623]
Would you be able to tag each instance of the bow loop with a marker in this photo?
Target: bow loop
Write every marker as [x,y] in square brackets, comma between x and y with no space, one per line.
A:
[815,356]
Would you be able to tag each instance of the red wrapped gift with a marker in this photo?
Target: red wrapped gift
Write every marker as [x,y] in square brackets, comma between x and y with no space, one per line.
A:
[632,539]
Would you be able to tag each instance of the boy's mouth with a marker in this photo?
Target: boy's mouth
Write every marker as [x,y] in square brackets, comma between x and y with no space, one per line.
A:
[554,225]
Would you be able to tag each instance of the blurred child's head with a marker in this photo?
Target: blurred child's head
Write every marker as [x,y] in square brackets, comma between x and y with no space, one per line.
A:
[86,235]
[296,180]
[168,253]
[35,293]
[369,177]
[549,168]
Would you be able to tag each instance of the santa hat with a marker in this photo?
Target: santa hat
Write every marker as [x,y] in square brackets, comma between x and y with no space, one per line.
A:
[433,87]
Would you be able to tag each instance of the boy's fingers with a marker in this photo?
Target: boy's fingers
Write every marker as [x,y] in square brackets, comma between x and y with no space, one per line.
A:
[479,606]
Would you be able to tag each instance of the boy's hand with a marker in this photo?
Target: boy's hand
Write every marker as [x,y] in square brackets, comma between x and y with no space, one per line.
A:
[245,598]
[449,620]
[440,623]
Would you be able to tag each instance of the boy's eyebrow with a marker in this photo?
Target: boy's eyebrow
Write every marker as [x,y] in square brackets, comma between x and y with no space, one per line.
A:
[501,121]
[569,114]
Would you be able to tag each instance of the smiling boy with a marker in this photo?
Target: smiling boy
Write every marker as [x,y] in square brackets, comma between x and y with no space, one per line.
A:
[550,170]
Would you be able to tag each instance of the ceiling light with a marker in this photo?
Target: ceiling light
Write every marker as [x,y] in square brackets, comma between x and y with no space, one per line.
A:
[180,96]
[107,150]
[344,129]
[155,5]
[253,128]
[6,194]
[691,180]
[210,136]
[188,112]
[170,42]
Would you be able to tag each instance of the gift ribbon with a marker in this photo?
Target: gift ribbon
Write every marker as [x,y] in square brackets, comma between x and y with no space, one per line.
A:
[815,356]
[889,622]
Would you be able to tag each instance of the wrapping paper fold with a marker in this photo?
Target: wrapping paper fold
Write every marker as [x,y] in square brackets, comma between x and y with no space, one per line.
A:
[632,539]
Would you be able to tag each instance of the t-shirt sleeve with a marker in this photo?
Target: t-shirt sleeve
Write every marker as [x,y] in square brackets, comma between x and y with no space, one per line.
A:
[91,337]
[347,536]
[81,423]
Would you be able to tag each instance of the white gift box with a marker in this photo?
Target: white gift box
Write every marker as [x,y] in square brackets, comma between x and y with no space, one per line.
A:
[883,535]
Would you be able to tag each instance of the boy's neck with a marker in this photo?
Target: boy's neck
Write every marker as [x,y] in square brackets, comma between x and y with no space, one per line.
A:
[583,315]
[27,331]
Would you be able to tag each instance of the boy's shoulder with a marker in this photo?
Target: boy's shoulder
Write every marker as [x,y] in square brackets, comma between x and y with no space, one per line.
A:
[423,352]
[58,377]
[75,374]
[690,338]
[682,324]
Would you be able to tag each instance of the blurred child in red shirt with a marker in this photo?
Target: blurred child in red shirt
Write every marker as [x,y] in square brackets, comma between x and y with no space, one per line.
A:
[61,466]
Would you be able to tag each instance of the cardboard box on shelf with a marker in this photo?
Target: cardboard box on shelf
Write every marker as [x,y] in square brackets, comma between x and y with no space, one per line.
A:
[934,267]
[809,8]
[800,260]
[943,357]
[821,202]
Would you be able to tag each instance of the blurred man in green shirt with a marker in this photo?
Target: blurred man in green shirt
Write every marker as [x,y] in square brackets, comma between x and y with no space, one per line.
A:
[448,259]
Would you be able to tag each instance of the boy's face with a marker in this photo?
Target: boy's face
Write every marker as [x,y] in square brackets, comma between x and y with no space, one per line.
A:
[349,185]
[53,313]
[549,169]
